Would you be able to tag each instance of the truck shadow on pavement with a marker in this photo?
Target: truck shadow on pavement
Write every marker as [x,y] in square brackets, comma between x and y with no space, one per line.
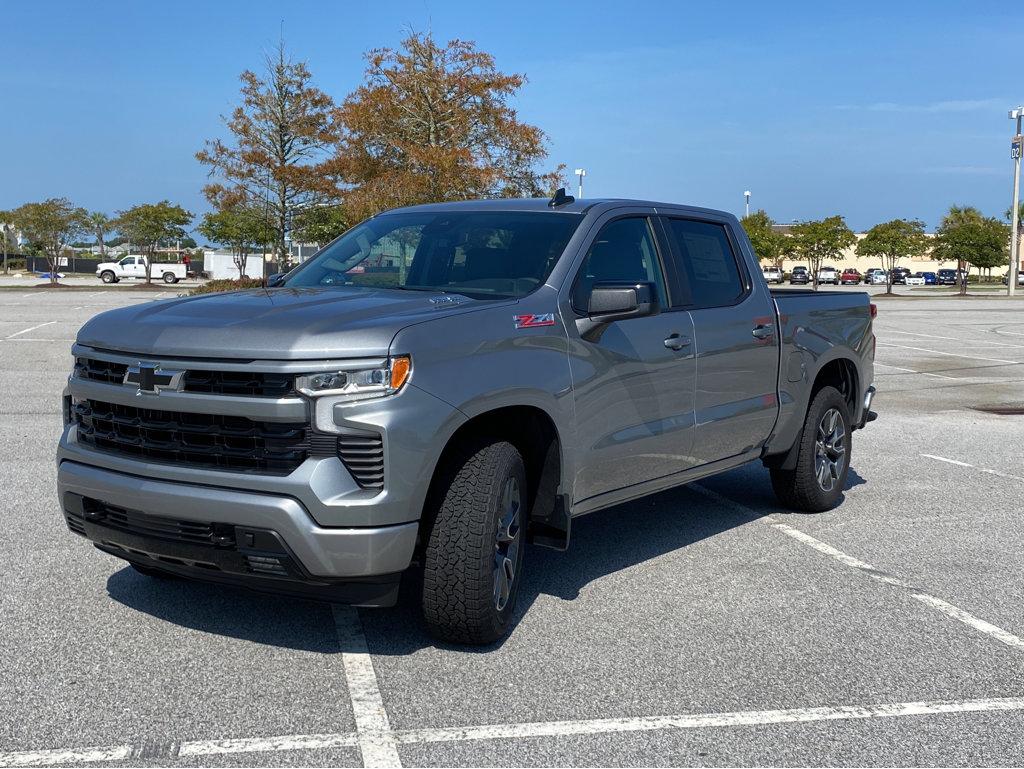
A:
[603,543]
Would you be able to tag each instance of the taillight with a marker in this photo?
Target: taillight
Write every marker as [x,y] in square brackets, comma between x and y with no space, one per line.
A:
[874,309]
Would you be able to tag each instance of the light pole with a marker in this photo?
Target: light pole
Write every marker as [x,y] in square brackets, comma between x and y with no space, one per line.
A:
[1016,146]
[581,172]
[746,196]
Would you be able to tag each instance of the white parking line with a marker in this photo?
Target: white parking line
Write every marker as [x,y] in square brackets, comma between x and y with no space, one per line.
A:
[950,354]
[707,720]
[915,371]
[375,738]
[970,342]
[596,726]
[986,470]
[877,574]
[25,331]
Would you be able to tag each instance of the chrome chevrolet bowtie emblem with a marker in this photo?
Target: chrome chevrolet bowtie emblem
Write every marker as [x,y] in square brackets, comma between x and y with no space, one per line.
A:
[150,378]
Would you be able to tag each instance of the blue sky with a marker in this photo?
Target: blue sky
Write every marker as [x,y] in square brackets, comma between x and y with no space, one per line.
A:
[874,111]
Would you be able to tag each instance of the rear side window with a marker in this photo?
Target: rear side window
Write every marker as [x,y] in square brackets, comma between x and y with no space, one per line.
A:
[708,264]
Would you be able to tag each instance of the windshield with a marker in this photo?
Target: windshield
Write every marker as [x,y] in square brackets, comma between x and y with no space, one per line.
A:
[482,254]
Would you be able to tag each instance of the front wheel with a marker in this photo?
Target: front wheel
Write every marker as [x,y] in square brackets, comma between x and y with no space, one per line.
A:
[474,551]
[823,461]
[108,277]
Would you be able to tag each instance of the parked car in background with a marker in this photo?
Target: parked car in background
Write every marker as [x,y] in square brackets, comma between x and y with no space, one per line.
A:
[917,279]
[828,275]
[135,267]
[799,275]
[946,277]
[1020,279]
[899,276]
[930,278]
[876,276]
[772,274]
[850,277]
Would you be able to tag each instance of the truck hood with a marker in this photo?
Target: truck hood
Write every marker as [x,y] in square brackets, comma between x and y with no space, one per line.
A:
[279,323]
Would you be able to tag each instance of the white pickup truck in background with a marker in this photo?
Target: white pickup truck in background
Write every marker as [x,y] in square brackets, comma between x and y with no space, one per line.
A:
[134,266]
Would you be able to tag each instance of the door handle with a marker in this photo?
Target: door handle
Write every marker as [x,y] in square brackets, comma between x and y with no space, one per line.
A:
[763,330]
[676,342]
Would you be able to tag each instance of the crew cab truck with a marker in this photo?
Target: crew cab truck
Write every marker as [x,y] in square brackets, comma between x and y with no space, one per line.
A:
[135,267]
[444,383]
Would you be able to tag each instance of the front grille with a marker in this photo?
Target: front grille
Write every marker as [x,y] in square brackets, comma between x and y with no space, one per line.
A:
[201,440]
[100,370]
[256,384]
[363,456]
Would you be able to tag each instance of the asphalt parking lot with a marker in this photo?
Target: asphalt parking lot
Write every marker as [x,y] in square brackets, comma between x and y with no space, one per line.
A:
[702,626]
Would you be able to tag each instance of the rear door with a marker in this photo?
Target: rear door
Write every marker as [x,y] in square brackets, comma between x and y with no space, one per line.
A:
[633,380]
[735,339]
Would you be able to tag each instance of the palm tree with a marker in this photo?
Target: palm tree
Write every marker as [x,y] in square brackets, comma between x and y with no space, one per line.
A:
[100,224]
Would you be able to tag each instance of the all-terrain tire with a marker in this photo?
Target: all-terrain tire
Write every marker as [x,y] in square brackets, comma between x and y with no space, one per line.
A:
[462,597]
[800,488]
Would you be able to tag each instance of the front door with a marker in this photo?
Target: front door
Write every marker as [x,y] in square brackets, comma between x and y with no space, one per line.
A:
[735,340]
[633,381]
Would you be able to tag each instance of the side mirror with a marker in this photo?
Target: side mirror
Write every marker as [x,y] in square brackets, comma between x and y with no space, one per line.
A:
[276,279]
[618,301]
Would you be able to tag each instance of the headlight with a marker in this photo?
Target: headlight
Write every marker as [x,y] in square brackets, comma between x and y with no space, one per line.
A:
[357,384]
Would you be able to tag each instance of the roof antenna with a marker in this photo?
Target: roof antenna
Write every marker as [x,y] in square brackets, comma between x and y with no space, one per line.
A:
[560,198]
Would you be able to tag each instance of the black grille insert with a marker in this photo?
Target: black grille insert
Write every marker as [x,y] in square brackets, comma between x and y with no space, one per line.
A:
[201,440]
[100,370]
[363,456]
[254,384]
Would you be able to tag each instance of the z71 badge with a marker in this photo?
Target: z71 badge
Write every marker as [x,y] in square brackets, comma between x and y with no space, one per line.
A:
[534,321]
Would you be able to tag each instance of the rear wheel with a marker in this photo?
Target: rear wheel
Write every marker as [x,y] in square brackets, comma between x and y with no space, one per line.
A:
[474,553]
[169,277]
[823,461]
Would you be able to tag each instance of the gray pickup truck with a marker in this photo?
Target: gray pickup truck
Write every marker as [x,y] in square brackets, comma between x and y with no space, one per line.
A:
[443,384]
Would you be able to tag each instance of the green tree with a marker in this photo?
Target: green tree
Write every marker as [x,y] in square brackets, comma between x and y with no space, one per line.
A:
[48,226]
[969,238]
[320,224]
[432,123]
[100,226]
[281,135]
[768,243]
[242,229]
[819,240]
[148,224]
[892,241]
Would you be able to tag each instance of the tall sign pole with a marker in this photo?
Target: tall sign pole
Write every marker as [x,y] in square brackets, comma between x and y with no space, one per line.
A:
[581,172]
[1016,146]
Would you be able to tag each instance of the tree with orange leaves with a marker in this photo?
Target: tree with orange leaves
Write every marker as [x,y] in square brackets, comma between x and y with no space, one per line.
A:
[282,134]
[433,123]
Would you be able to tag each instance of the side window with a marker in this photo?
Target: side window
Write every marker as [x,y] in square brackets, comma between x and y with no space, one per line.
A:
[622,252]
[128,262]
[708,265]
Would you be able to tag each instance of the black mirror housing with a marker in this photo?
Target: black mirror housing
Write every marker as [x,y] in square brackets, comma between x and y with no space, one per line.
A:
[618,301]
[276,279]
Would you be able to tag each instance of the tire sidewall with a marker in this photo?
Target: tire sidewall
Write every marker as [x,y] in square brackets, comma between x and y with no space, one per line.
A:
[826,398]
[107,277]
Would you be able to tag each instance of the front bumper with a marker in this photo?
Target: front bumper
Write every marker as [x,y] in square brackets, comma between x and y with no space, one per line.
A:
[154,523]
